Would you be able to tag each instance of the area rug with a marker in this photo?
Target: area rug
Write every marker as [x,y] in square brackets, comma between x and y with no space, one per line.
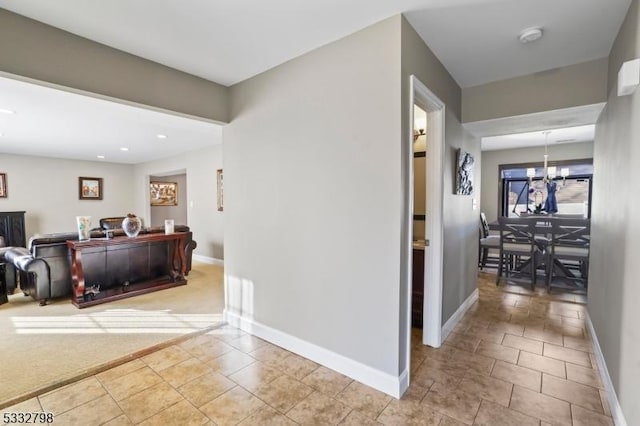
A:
[47,345]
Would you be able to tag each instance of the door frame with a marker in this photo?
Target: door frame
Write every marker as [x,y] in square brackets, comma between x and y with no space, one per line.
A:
[433,285]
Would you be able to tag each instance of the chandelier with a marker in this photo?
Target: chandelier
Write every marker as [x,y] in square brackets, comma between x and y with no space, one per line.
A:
[549,173]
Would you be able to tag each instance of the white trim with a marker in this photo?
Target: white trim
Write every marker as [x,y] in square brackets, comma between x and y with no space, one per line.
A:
[376,379]
[612,398]
[403,382]
[207,259]
[435,108]
[457,315]
[408,232]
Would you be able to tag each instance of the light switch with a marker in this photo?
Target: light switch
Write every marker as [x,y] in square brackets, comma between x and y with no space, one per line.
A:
[474,204]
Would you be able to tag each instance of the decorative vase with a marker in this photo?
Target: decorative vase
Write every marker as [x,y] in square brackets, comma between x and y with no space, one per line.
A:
[84,227]
[131,225]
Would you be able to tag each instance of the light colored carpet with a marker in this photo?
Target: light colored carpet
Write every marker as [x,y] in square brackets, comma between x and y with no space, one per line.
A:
[42,346]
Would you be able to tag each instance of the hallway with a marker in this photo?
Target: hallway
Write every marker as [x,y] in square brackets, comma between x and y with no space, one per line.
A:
[516,358]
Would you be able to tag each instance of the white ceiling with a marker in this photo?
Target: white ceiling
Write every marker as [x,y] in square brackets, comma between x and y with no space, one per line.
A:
[496,133]
[229,41]
[54,123]
[478,43]
[556,136]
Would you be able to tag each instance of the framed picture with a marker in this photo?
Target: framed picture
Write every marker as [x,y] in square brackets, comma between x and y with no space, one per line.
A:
[89,188]
[464,173]
[219,186]
[3,185]
[163,193]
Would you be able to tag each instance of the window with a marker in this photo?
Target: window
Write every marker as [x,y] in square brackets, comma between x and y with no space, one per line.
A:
[521,195]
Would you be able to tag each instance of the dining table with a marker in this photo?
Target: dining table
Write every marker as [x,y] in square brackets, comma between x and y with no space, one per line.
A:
[543,231]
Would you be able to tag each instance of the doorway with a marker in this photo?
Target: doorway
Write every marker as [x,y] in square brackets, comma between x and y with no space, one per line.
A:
[428,223]
[174,206]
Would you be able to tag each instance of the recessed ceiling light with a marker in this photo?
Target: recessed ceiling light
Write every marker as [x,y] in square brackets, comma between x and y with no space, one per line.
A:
[124,149]
[101,157]
[7,111]
[161,136]
[530,34]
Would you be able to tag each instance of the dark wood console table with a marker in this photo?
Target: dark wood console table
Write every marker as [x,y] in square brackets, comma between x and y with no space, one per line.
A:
[103,270]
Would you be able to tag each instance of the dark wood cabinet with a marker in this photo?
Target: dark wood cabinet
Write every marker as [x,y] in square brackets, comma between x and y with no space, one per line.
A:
[417,293]
[12,229]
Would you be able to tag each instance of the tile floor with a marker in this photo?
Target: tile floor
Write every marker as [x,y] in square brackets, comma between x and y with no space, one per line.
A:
[516,358]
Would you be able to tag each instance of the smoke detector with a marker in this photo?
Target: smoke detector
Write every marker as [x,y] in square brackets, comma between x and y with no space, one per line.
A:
[530,34]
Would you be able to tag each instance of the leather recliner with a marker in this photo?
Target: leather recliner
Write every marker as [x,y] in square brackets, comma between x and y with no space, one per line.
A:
[35,275]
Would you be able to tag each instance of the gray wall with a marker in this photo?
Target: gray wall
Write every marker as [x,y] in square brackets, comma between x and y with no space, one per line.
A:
[613,305]
[47,189]
[459,219]
[543,91]
[178,212]
[38,51]
[56,57]
[491,160]
[313,197]
[206,223]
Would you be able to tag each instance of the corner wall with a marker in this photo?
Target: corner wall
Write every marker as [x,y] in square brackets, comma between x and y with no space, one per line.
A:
[313,196]
[459,219]
[613,304]
[206,223]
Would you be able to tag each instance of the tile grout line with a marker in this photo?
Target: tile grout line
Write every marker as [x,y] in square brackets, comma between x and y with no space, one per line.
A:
[104,367]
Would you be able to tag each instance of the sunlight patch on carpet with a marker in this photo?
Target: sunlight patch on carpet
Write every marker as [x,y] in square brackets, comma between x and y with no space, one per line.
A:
[115,321]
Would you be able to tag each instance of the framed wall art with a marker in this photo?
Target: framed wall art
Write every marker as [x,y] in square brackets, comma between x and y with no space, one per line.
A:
[219,186]
[464,173]
[163,193]
[90,188]
[3,185]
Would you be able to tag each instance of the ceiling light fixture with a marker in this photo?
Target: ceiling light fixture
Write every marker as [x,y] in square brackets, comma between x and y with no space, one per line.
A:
[7,111]
[101,157]
[124,149]
[530,34]
[161,136]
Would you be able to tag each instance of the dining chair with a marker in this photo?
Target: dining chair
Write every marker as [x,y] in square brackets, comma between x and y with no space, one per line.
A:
[519,253]
[568,250]
[568,215]
[486,243]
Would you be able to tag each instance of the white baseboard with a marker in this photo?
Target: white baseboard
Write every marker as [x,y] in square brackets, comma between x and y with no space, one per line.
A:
[451,323]
[612,398]
[404,382]
[207,259]
[384,382]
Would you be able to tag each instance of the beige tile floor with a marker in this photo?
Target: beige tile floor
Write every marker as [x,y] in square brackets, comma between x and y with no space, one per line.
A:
[516,358]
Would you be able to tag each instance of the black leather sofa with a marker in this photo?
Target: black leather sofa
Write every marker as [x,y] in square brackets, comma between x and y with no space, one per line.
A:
[44,268]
